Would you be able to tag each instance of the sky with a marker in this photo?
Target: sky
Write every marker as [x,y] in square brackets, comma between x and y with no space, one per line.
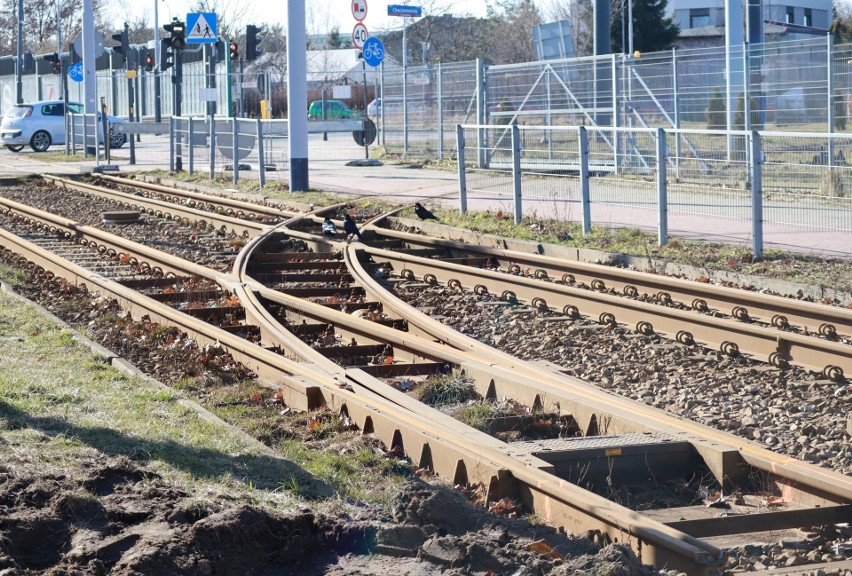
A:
[321,15]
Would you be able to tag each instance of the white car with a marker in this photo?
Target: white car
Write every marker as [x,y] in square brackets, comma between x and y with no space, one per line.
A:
[42,124]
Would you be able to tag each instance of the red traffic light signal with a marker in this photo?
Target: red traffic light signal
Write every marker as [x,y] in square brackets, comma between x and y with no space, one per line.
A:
[234,50]
[149,61]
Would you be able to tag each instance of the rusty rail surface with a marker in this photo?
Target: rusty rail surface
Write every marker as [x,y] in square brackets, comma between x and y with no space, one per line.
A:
[435,441]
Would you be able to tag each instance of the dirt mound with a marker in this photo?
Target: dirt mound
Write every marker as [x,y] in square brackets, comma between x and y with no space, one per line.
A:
[114,516]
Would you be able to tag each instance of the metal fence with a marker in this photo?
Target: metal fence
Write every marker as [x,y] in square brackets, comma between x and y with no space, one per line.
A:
[800,180]
[794,85]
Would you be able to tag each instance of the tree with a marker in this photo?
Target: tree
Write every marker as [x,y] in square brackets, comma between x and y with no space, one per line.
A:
[716,111]
[230,16]
[513,26]
[652,31]
[841,24]
[40,23]
[333,39]
[449,39]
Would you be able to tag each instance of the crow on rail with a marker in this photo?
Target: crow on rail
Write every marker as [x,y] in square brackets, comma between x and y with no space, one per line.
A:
[350,227]
[328,228]
[423,213]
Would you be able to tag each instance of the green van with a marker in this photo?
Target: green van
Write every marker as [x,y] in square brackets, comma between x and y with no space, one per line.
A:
[334,110]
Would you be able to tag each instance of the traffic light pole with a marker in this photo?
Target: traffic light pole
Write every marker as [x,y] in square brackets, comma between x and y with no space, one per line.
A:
[177,80]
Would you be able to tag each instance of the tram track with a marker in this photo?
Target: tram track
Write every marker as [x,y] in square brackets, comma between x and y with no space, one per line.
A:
[314,375]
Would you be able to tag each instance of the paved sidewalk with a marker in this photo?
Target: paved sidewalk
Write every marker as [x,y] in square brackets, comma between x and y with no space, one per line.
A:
[407,184]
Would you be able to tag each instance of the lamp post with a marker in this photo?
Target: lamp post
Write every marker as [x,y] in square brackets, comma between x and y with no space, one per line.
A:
[19,86]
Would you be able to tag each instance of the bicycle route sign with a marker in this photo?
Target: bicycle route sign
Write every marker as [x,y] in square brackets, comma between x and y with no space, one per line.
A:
[374,51]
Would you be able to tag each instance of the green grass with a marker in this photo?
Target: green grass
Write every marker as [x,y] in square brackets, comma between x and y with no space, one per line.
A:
[60,404]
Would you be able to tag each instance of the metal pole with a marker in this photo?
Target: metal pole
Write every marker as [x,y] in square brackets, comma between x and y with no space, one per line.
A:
[615,133]
[516,172]
[675,88]
[130,100]
[404,89]
[213,145]
[440,113]
[260,163]
[191,159]
[171,143]
[242,77]
[297,96]
[481,135]
[366,144]
[757,194]
[90,102]
[585,189]
[177,82]
[157,71]
[829,70]
[19,63]
[235,149]
[462,180]
[629,26]
[662,190]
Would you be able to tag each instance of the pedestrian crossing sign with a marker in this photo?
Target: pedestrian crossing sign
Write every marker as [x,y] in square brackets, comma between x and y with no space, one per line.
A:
[201,28]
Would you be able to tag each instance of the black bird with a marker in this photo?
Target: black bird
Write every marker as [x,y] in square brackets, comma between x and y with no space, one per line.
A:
[423,213]
[328,228]
[350,227]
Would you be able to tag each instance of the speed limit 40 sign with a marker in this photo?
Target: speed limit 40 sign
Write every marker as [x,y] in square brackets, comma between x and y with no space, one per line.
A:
[359,35]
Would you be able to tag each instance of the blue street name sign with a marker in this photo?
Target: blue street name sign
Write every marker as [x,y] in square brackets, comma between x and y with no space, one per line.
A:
[201,28]
[373,51]
[403,10]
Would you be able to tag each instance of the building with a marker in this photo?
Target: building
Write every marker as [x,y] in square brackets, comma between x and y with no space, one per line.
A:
[702,22]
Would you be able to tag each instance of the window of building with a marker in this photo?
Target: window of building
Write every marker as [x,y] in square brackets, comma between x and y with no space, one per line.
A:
[809,17]
[699,17]
[791,16]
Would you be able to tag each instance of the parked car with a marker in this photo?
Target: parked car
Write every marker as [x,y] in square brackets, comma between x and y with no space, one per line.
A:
[42,124]
[334,110]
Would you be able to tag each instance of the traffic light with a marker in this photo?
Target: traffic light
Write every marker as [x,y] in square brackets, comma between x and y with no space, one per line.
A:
[123,47]
[234,50]
[57,62]
[149,60]
[166,56]
[177,31]
[253,40]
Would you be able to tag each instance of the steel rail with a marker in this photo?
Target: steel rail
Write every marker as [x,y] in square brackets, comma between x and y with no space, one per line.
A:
[234,205]
[449,449]
[659,543]
[729,336]
[554,499]
[164,209]
[148,260]
[743,305]
[723,446]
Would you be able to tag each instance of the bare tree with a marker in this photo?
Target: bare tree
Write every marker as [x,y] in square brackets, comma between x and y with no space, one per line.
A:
[514,20]
[231,16]
[580,15]
[40,19]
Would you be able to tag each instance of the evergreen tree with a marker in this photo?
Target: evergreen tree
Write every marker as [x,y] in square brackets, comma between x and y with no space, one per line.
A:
[333,39]
[716,111]
[839,110]
[652,31]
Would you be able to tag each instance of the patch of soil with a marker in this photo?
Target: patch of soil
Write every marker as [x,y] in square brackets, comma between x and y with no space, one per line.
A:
[113,516]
